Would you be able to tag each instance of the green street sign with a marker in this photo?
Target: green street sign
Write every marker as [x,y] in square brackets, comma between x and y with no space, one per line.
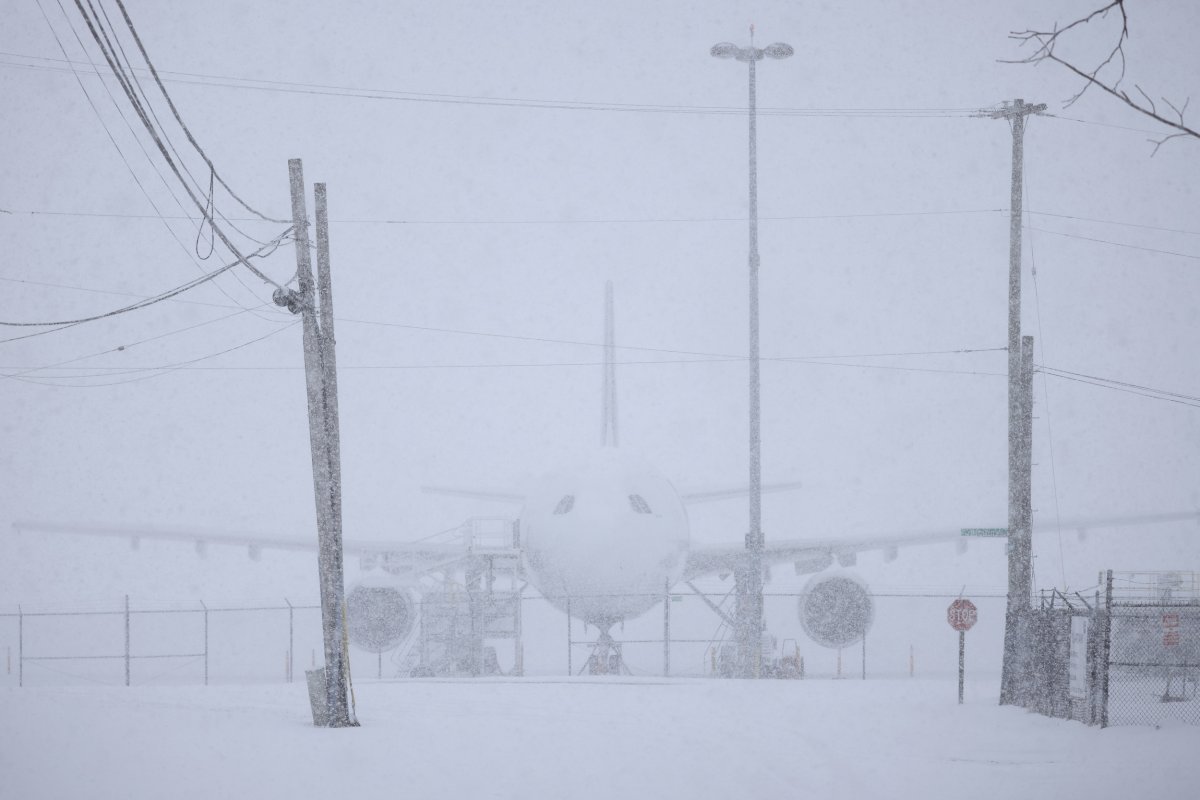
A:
[984,531]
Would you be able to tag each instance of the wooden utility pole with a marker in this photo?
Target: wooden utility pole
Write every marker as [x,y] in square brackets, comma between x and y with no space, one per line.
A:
[1019,566]
[321,384]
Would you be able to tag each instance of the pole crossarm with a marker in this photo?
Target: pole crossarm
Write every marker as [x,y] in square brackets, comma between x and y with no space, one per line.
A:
[1007,110]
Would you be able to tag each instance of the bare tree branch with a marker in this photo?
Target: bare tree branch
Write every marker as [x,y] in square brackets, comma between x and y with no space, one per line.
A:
[1047,41]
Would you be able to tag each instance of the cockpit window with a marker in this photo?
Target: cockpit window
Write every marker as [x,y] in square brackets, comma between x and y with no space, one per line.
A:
[639,504]
[565,505]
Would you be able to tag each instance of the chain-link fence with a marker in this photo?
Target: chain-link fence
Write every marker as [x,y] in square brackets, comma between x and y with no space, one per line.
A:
[457,632]
[1129,656]
[158,643]
[1154,664]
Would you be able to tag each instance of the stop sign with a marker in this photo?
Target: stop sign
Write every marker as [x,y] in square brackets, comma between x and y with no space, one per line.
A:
[962,614]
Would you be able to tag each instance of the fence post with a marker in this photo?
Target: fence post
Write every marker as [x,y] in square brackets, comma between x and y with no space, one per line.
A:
[1105,649]
[667,628]
[203,606]
[570,666]
[1093,656]
[126,640]
[20,646]
[519,642]
[291,638]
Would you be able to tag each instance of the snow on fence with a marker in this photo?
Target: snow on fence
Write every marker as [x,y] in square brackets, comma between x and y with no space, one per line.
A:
[138,642]
[115,643]
[1129,656]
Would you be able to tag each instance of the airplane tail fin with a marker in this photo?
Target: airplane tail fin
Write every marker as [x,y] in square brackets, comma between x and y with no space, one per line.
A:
[608,433]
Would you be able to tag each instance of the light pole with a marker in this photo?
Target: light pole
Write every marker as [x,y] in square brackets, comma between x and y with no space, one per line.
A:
[749,614]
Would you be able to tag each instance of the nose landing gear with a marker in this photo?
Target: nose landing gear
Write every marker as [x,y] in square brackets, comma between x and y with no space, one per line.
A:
[606,658]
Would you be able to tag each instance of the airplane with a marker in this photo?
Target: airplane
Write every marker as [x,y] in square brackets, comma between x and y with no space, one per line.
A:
[602,538]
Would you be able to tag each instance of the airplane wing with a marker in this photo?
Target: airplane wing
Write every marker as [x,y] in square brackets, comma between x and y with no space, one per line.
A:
[688,498]
[814,555]
[475,494]
[809,555]
[407,557]
[691,498]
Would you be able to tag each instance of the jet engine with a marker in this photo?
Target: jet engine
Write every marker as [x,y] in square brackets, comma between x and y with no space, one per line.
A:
[836,610]
[378,618]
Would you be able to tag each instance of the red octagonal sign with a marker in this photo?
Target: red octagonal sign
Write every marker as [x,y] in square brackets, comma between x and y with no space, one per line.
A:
[962,614]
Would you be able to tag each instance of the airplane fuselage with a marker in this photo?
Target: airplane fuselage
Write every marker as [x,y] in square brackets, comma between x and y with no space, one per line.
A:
[605,537]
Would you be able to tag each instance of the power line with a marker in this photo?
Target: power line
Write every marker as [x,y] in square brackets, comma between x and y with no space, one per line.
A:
[128,77]
[1114,222]
[121,348]
[1114,244]
[1062,373]
[294,87]
[550,340]
[667,351]
[1041,343]
[134,294]
[58,325]
[547,221]
[700,356]
[129,369]
[1098,124]
[187,131]
[163,370]
[1119,386]
[624,220]
[158,141]
[137,141]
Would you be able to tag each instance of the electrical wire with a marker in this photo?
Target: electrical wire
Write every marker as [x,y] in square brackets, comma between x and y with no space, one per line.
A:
[591,221]
[1110,383]
[627,220]
[1104,385]
[294,87]
[549,340]
[634,220]
[1041,344]
[58,325]
[154,135]
[129,370]
[1114,222]
[129,78]
[133,89]
[163,370]
[643,349]
[175,111]
[1101,124]
[1114,244]
[112,139]
[123,347]
[134,294]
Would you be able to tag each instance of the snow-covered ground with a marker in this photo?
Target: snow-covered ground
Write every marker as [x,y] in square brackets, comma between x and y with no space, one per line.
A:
[577,738]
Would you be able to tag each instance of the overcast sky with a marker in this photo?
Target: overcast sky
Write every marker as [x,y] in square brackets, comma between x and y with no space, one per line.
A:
[472,236]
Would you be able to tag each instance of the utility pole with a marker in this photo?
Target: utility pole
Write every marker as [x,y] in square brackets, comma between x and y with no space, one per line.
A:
[321,384]
[1019,566]
[1020,544]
